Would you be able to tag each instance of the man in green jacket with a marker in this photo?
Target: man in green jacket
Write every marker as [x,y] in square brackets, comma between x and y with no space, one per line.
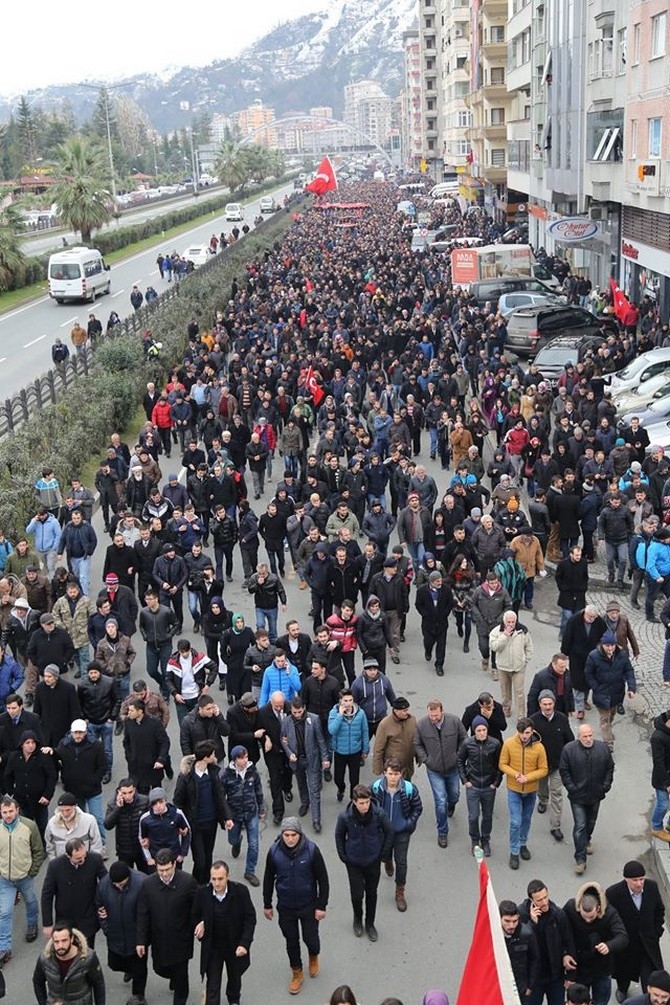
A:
[21,855]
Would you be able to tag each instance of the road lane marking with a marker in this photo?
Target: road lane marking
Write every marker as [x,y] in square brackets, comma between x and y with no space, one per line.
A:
[69,322]
[20,310]
[28,344]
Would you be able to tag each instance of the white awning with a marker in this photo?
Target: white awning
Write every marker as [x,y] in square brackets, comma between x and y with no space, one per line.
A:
[547,68]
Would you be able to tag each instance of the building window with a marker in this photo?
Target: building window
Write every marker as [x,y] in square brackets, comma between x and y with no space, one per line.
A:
[633,139]
[658,25]
[498,157]
[498,75]
[497,116]
[654,137]
[621,37]
[608,50]
[635,55]
[463,119]
[497,33]
[431,145]
[526,112]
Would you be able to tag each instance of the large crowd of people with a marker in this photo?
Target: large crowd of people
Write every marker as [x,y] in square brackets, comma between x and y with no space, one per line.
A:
[299,414]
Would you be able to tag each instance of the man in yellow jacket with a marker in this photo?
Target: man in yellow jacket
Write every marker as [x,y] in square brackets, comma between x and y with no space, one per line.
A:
[523,760]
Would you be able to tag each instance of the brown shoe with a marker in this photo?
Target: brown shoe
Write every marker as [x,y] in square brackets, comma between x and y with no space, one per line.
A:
[388,867]
[485,666]
[400,901]
[303,584]
[296,981]
[313,966]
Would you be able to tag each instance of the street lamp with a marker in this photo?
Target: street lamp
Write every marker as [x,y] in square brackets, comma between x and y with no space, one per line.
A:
[107,88]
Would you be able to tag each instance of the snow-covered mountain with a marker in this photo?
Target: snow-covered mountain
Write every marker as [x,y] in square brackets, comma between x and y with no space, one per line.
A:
[298,65]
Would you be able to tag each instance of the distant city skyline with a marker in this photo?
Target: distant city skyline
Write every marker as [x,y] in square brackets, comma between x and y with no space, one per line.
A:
[129,39]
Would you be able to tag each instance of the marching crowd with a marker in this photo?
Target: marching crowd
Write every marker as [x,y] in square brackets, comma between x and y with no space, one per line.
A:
[299,413]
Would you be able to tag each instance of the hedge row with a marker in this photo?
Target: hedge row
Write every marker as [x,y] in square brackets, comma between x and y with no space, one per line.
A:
[68,433]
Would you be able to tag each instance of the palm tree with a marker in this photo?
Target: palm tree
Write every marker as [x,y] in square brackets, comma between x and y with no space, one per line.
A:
[83,196]
[12,259]
[231,166]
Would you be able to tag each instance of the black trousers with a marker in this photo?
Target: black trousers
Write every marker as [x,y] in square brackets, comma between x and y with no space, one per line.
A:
[281,781]
[136,860]
[214,976]
[203,838]
[363,883]
[177,974]
[131,964]
[342,762]
[290,923]
[437,639]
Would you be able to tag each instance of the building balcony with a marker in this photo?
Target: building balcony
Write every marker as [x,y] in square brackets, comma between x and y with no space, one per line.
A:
[494,50]
[493,132]
[495,9]
[494,175]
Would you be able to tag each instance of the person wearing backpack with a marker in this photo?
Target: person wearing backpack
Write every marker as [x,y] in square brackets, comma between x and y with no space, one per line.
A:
[400,800]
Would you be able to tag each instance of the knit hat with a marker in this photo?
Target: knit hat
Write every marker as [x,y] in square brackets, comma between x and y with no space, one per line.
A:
[608,639]
[399,704]
[52,669]
[369,662]
[290,824]
[157,794]
[238,751]
[475,511]
[435,998]
[173,478]
[479,720]
[613,605]
[67,799]
[28,734]
[633,870]
[435,577]
[619,442]
[546,693]
[22,603]
[118,871]
[111,578]
[659,979]
[636,466]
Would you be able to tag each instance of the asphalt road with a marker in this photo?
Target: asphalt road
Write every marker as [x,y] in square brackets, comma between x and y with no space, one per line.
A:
[27,333]
[426,947]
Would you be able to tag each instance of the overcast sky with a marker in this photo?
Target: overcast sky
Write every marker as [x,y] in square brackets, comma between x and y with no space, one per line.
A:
[67,43]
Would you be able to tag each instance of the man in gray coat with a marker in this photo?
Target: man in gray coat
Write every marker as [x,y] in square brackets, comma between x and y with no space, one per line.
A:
[438,736]
[307,752]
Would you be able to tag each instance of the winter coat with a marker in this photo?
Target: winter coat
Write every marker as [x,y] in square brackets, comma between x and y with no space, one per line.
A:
[268,594]
[115,658]
[82,766]
[395,738]
[144,743]
[528,553]
[373,696]
[316,749]
[79,540]
[438,748]
[572,580]
[586,772]
[488,609]
[157,628]
[287,680]
[320,696]
[57,708]
[497,721]
[73,890]
[240,922]
[615,525]
[547,680]
[21,850]
[660,752]
[50,647]
[607,927]
[172,571]
[403,808]
[11,678]
[609,679]
[513,652]
[299,874]
[644,928]
[164,913]
[120,925]
[362,840]
[58,833]
[82,985]
[75,623]
[349,734]
[658,560]
[579,639]
[243,792]
[318,571]
[434,613]
[488,545]
[373,634]
[126,821]
[28,779]
[524,957]
[99,700]
[195,727]
[163,830]
[344,582]
[552,930]
[555,734]
[187,790]
[529,759]
[204,671]
[478,762]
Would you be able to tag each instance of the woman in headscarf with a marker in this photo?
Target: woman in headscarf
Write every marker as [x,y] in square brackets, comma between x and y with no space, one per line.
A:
[215,620]
[234,643]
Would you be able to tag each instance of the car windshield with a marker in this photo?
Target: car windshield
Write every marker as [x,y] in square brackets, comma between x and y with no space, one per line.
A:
[66,270]
[632,368]
[560,356]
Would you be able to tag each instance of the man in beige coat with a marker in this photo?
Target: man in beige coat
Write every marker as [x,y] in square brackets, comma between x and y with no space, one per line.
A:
[395,738]
[513,646]
[528,553]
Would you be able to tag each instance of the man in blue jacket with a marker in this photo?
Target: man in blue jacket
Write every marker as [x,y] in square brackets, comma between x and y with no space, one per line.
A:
[401,802]
[116,900]
[46,529]
[350,740]
[609,674]
[282,676]
[364,839]
[657,570]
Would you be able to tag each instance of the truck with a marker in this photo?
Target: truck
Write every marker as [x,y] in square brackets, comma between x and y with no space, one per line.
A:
[469,265]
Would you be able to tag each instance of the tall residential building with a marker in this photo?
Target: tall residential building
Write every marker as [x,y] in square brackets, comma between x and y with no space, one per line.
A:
[368,111]
[256,121]
[431,40]
[411,128]
[219,128]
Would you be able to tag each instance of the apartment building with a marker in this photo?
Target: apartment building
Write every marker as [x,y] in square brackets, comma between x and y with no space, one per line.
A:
[368,111]
[432,39]
[411,109]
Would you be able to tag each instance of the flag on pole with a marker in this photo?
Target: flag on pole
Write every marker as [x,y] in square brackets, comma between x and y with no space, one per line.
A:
[619,300]
[324,179]
[314,388]
[487,976]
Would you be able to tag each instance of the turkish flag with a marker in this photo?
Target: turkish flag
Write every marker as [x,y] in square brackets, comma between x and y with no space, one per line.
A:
[487,976]
[314,388]
[324,180]
[620,301]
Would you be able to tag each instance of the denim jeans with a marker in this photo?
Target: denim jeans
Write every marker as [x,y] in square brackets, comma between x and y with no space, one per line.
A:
[616,554]
[235,837]
[652,590]
[585,820]
[7,897]
[194,606]
[157,660]
[81,567]
[660,809]
[529,591]
[446,791]
[184,707]
[480,800]
[432,434]
[94,806]
[417,552]
[104,731]
[82,657]
[267,618]
[520,806]
[123,685]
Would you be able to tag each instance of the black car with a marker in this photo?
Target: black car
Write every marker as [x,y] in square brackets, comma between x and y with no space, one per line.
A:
[571,347]
[529,328]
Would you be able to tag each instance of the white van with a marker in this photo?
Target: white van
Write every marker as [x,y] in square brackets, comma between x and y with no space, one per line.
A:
[199,254]
[78,274]
[234,211]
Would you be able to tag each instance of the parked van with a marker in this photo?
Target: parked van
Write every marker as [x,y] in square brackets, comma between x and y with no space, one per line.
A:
[234,212]
[78,274]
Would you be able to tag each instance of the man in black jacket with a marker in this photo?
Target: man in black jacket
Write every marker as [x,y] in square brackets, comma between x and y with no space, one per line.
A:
[116,900]
[68,946]
[434,601]
[587,769]
[572,582]
[164,911]
[204,722]
[556,678]
[146,746]
[554,730]
[100,703]
[554,940]
[199,795]
[158,625]
[244,729]
[82,766]
[124,810]
[478,770]
[296,645]
[50,643]
[641,908]
[170,575]
[225,922]
[147,550]
[521,948]
[69,886]
[270,718]
[57,705]
[15,721]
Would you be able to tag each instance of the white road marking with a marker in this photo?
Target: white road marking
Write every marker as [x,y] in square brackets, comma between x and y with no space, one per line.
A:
[68,322]
[20,310]
[3,359]
[28,344]
[118,293]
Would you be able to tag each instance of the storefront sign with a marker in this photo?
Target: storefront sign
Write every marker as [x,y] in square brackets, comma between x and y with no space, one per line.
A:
[573,230]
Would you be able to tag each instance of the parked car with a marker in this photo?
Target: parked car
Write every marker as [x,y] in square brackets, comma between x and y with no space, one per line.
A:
[234,212]
[553,357]
[510,302]
[639,397]
[654,412]
[642,368]
[528,328]
[267,204]
[198,254]
[490,290]
[659,432]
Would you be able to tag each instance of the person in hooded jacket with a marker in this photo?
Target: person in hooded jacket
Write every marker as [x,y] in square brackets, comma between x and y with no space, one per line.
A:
[243,790]
[478,769]
[374,632]
[116,654]
[350,737]
[598,934]
[489,601]
[11,675]
[401,802]
[30,777]
[201,797]
[610,675]
[215,620]
[364,839]
[660,773]
[318,575]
